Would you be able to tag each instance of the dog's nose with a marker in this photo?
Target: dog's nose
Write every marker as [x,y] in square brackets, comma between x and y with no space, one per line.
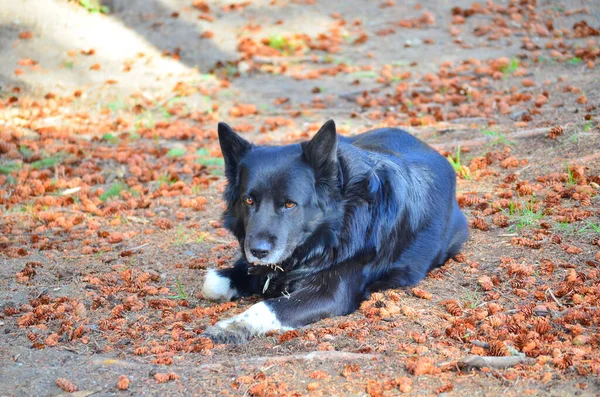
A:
[260,249]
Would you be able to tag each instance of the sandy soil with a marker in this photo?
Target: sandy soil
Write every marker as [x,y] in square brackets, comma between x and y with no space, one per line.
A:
[111,178]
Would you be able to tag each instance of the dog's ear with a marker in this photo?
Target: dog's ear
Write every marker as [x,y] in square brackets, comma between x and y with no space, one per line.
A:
[233,146]
[321,151]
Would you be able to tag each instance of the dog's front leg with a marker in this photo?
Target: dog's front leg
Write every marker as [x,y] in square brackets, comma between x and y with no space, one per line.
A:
[258,320]
[233,282]
[323,295]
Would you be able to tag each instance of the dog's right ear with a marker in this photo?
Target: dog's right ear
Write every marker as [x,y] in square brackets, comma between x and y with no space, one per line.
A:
[233,147]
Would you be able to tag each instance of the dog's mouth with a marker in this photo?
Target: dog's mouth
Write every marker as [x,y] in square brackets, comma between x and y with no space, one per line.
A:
[274,261]
[272,266]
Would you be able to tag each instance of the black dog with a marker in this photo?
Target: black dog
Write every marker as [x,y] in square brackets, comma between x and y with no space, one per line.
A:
[324,223]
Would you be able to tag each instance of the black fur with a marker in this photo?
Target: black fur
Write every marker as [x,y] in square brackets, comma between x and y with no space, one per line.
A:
[373,212]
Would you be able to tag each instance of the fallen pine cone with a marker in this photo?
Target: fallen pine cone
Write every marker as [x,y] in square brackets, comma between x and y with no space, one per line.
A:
[453,308]
[498,348]
[480,223]
[421,366]
[555,132]
[123,382]
[163,378]
[486,283]
[66,385]
[420,293]
[500,220]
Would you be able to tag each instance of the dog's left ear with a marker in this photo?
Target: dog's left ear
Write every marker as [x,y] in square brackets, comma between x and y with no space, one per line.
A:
[321,151]
[233,147]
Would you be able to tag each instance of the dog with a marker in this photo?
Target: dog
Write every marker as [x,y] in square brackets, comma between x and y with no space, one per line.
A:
[324,223]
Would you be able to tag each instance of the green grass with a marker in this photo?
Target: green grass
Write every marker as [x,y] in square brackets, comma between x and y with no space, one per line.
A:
[68,64]
[285,45]
[145,119]
[185,237]
[113,191]
[25,151]
[116,105]
[165,179]
[395,79]
[587,126]
[6,170]
[176,152]
[9,168]
[197,189]
[455,162]
[565,227]
[164,112]
[457,165]
[94,6]
[206,77]
[204,158]
[401,62]
[574,138]
[472,299]
[47,162]
[498,138]
[182,236]
[338,60]
[122,219]
[110,138]
[364,74]
[571,181]
[511,68]
[524,215]
[588,227]
[180,292]
[201,237]
[545,60]
[278,42]
[574,60]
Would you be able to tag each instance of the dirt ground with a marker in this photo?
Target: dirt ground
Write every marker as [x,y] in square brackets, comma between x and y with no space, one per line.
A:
[110,183]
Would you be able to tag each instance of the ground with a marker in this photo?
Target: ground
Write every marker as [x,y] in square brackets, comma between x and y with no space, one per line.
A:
[110,183]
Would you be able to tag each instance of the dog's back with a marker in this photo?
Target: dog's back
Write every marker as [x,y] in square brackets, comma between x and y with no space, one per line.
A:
[392,139]
[424,184]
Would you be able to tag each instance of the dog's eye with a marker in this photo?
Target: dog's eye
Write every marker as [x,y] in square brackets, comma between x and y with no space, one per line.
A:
[289,204]
[248,200]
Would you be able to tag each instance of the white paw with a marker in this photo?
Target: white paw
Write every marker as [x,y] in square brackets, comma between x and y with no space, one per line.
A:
[217,288]
[258,320]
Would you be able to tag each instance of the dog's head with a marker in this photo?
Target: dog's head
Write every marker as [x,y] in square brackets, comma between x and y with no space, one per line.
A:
[274,194]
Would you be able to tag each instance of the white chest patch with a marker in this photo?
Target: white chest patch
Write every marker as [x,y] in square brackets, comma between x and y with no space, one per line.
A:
[217,288]
[257,320]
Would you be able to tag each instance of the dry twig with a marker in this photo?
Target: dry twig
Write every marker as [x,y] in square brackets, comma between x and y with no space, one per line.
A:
[493,361]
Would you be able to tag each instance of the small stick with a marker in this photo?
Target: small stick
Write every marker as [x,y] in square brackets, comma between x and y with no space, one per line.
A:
[493,361]
[288,59]
[163,102]
[479,343]
[139,247]
[549,292]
